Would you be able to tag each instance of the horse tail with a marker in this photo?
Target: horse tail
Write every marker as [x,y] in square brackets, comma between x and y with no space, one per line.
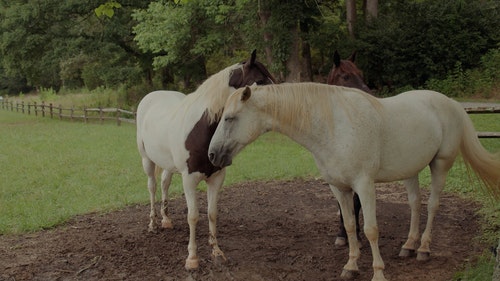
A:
[484,164]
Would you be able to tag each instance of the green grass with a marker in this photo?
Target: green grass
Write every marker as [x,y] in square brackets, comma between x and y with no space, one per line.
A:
[480,271]
[52,170]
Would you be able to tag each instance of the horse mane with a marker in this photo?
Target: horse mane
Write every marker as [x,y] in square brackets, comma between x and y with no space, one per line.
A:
[213,93]
[302,98]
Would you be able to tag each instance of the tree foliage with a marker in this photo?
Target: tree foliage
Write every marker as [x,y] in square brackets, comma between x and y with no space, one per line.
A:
[53,43]
[414,41]
[176,44]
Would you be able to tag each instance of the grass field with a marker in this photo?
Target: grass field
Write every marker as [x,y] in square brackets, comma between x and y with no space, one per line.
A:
[51,170]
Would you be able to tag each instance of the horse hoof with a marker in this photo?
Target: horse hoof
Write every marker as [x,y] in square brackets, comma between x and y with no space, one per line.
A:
[340,241]
[153,229]
[349,274]
[167,224]
[406,253]
[192,263]
[219,260]
[423,256]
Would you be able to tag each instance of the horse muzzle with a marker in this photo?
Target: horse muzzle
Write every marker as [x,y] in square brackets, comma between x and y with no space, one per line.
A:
[219,159]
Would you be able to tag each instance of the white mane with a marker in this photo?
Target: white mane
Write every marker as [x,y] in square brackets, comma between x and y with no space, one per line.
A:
[213,93]
[293,103]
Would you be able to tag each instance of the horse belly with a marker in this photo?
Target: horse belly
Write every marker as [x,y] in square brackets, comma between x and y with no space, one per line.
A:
[158,129]
[410,143]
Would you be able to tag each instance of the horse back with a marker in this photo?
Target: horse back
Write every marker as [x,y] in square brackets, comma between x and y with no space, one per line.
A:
[158,102]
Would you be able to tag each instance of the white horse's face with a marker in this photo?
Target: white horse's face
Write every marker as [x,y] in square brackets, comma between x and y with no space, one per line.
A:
[240,125]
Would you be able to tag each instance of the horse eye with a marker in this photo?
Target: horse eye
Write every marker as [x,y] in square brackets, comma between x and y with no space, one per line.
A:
[260,82]
[346,77]
[228,119]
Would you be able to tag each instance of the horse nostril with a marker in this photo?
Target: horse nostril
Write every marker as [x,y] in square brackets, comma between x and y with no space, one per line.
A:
[211,156]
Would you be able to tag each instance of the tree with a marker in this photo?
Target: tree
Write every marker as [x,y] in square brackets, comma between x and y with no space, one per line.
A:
[62,43]
[182,35]
[350,6]
[283,32]
[413,41]
[371,9]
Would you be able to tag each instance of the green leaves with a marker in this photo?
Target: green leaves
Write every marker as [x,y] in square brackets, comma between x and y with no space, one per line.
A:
[107,9]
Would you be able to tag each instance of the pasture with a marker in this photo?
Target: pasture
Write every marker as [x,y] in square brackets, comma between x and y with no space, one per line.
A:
[52,171]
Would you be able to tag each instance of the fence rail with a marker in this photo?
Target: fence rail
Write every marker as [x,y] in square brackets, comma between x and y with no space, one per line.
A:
[120,115]
[117,115]
[485,110]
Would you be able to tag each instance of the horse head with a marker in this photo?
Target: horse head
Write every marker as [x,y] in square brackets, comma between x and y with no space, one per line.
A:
[346,73]
[252,71]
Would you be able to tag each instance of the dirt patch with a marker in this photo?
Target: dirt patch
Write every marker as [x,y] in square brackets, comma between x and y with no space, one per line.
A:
[276,230]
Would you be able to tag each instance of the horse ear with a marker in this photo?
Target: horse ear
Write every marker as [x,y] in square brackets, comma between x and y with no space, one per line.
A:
[252,58]
[352,58]
[246,94]
[336,59]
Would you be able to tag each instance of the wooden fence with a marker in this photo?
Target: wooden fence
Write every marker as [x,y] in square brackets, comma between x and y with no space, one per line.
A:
[485,110]
[86,114]
[119,115]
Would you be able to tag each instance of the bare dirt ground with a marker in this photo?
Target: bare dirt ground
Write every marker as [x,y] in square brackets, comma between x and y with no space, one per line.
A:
[276,230]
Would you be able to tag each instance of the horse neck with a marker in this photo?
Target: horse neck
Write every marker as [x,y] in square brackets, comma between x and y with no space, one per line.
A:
[212,94]
[289,115]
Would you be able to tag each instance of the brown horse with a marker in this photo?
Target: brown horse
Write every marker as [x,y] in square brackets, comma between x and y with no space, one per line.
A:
[346,73]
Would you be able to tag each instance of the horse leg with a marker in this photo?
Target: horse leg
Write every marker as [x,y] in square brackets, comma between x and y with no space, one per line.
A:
[414,200]
[214,184]
[439,169]
[149,169]
[357,209]
[366,192]
[341,239]
[166,179]
[346,206]
[189,183]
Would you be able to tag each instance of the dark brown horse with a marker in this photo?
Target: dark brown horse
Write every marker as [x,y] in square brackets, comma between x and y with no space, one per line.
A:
[346,73]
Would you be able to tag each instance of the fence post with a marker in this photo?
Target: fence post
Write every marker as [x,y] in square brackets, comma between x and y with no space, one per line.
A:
[496,270]
[17,106]
[118,121]
[71,113]
[29,108]
[51,111]
[43,109]
[85,114]
[36,108]
[60,112]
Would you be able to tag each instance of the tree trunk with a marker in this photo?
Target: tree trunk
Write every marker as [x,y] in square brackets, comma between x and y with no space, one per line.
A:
[268,37]
[307,74]
[293,63]
[350,6]
[371,10]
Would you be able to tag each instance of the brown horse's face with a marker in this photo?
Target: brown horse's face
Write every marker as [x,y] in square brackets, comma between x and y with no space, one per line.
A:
[346,73]
[252,72]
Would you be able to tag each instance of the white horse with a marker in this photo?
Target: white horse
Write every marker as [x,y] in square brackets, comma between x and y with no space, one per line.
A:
[357,140]
[173,133]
